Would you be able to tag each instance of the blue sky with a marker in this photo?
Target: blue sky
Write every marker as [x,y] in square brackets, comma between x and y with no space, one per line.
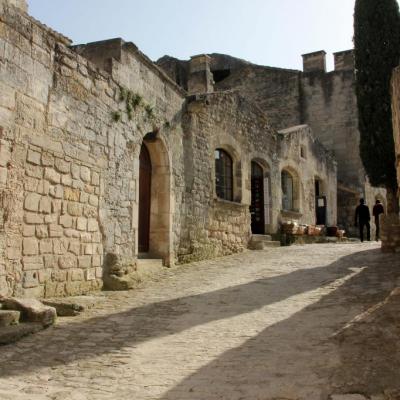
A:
[266,32]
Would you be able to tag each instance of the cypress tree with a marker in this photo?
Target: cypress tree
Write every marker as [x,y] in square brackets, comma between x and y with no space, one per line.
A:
[377,52]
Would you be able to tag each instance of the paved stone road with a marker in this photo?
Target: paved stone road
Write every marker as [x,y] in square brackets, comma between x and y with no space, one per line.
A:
[254,326]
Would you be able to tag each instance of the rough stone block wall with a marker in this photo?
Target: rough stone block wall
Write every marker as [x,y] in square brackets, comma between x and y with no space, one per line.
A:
[315,164]
[68,170]
[330,109]
[390,235]
[226,120]
[396,117]
[69,161]
[274,90]
[21,4]
[391,224]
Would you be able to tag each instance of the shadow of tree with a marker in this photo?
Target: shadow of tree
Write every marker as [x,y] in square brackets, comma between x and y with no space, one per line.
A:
[291,357]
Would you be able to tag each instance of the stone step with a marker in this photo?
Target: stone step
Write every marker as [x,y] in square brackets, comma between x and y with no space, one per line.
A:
[263,245]
[261,242]
[9,317]
[272,243]
[149,266]
[261,238]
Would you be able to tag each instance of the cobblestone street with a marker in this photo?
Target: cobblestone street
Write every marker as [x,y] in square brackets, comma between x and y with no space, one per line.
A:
[256,326]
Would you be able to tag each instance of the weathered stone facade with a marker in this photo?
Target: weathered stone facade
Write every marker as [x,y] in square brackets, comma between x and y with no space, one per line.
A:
[396,117]
[325,101]
[73,122]
[391,231]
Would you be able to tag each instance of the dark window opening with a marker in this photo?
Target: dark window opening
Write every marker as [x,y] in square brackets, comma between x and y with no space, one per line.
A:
[221,74]
[317,188]
[223,175]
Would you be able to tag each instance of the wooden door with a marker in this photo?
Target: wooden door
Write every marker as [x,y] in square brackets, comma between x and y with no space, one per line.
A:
[257,199]
[144,199]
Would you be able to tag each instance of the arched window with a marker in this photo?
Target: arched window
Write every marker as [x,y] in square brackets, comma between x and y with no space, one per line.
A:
[223,175]
[287,191]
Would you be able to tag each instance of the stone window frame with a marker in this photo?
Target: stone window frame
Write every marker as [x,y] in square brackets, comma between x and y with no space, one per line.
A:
[236,173]
[223,191]
[294,205]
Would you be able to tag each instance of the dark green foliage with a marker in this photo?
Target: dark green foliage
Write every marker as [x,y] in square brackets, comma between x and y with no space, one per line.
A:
[377,52]
[132,102]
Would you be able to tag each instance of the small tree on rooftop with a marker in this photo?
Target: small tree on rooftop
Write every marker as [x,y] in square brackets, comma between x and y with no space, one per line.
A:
[377,52]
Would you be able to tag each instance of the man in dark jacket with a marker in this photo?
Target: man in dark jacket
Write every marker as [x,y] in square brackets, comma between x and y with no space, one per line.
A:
[376,212]
[362,219]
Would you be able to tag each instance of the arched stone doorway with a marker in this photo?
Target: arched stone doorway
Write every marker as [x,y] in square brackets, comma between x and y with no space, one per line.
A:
[155,212]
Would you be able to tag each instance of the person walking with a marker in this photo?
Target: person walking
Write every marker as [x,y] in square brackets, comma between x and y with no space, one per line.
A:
[362,219]
[376,212]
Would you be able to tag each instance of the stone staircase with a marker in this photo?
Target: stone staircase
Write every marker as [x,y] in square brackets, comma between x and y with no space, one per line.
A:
[148,265]
[262,242]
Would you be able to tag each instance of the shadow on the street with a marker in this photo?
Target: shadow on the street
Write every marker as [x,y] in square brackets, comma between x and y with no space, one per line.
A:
[300,357]
[273,354]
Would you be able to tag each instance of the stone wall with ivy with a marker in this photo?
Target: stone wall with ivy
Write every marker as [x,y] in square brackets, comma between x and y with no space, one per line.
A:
[70,136]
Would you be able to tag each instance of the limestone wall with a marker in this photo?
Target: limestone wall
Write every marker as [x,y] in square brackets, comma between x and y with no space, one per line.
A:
[391,224]
[228,121]
[324,101]
[396,117]
[73,121]
[68,169]
[330,108]
[21,4]
[274,90]
[307,165]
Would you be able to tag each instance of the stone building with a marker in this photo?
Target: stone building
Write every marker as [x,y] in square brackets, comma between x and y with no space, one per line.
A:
[105,159]
[391,231]
[325,101]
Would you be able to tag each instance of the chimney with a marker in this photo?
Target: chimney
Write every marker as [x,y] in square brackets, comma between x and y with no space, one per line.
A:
[344,60]
[200,76]
[313,62]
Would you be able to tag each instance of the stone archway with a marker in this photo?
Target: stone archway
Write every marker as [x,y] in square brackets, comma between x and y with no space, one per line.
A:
[160,202]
